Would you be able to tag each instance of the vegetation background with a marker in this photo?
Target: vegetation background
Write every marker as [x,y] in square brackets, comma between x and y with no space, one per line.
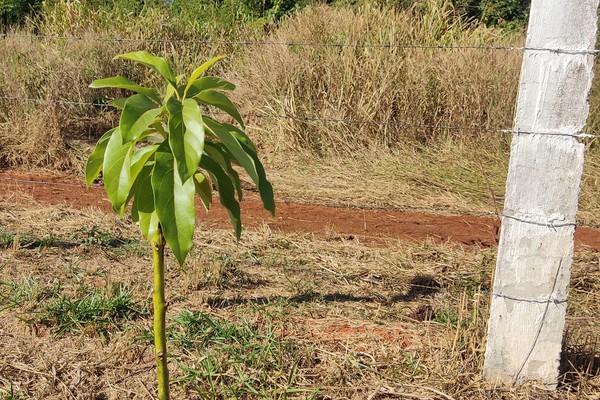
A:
[373,102]
[373,122]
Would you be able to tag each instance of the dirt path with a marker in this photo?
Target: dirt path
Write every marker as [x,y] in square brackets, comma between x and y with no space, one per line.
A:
[369,226]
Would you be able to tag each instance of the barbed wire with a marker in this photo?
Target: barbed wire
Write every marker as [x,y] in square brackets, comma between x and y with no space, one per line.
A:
[400,208]
[52,101]
[304,118]
[399,46]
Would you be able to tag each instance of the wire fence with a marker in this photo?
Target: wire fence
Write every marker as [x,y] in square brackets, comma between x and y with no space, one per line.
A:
[311,118]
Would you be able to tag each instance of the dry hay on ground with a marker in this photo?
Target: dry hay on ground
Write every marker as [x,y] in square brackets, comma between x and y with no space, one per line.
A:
[313,317]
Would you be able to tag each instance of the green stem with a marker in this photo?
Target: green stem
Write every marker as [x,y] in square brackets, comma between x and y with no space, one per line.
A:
[160,310]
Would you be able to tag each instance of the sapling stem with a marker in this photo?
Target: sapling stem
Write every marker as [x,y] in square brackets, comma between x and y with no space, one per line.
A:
[160,310]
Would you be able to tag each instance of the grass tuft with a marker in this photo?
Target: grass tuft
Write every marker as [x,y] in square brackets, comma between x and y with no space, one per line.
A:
[89,311]
[28,291]
[245,357]
[25,240]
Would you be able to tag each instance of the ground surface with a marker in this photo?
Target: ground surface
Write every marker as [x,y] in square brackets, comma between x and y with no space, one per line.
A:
[316,303]
[366,225]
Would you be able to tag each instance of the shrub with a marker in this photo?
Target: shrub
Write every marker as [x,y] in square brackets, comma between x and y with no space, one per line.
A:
[14,11]
[505,13]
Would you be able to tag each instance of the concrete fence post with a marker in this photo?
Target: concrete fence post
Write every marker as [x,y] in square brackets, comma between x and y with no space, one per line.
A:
[529,298]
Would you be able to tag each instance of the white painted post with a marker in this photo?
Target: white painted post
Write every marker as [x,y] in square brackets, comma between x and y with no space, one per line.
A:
[529,298]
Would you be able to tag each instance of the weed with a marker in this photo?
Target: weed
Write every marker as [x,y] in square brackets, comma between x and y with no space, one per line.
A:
[116,245]
[14,294]
[6,239]
[31,242]
[25,240]
[94,236]
[89,310]
[228,359]
[446,316]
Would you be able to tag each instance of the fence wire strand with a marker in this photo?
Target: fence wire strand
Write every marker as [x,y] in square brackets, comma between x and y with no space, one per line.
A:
[305,118]
[257,43]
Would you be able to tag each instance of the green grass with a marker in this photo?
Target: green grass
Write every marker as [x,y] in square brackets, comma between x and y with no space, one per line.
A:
[95,236]
[112,242]
[446,316]
[89,236]
[6,239]
[10,393]
[237,358]
[25,240]
[89,311]
[29,290]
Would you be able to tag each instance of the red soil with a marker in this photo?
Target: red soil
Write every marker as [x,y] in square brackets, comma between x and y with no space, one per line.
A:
[369,226]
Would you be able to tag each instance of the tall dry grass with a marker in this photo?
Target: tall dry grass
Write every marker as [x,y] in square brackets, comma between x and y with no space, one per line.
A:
[353,83]
[41,134]
[433,87]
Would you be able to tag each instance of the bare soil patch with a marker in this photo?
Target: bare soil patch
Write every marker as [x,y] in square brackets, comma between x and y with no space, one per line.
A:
[365,225]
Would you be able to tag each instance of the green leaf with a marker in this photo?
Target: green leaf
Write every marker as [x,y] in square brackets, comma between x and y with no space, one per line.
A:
[244,152]
[209,82]
[186,136]
[204,190]
[150,135]
[226,192]
[170,91]
[143,203]
[241,136]
[221,101]
[158,126]
[141,161]
[117,173]
[177,138]
[139,112]
[218,153]
[158,64]
[194,135]
[132,192]
[96,159]
[140,158]
[199,71]
[120,82]
[234,147]
[264,186]
[149,224]
[174,202]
